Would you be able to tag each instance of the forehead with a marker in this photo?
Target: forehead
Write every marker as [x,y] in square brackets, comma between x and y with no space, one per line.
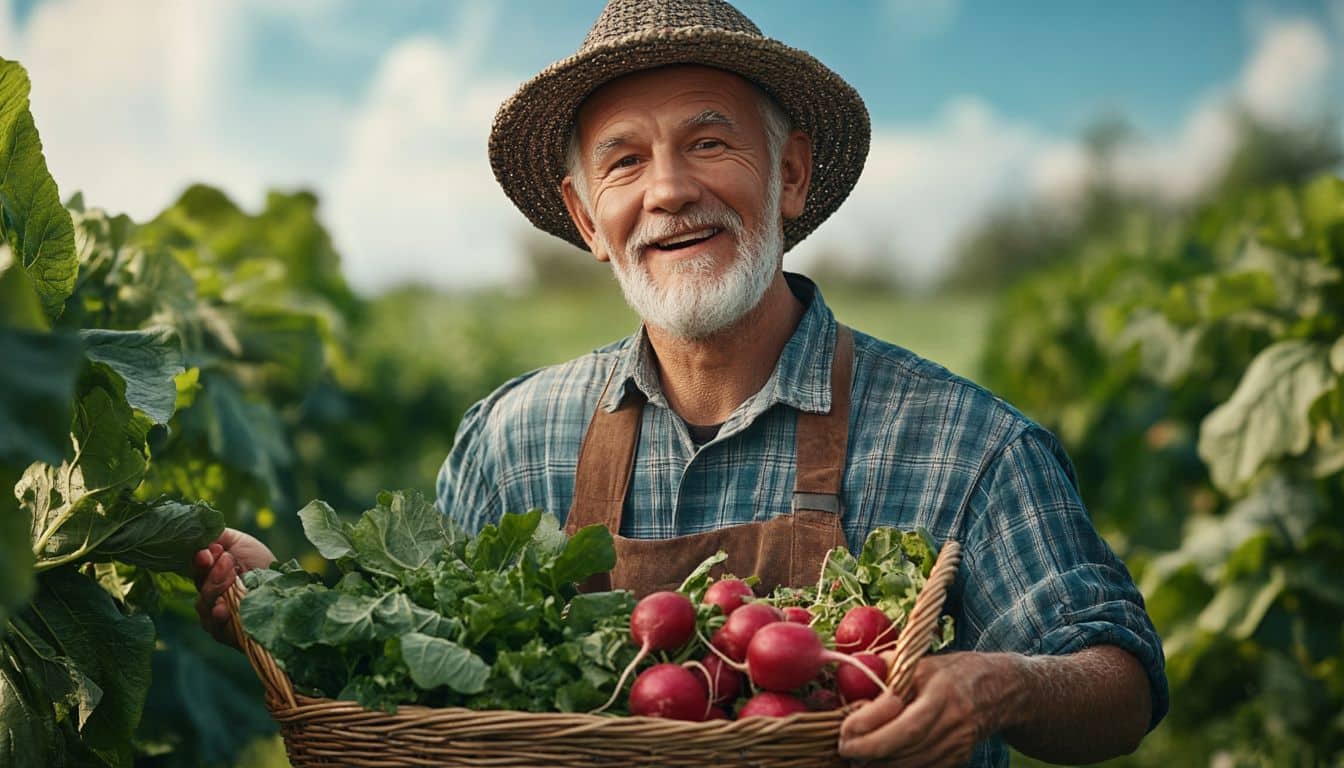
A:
[667,92]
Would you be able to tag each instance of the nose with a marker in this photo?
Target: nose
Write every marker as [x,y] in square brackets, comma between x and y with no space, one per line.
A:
[671,185]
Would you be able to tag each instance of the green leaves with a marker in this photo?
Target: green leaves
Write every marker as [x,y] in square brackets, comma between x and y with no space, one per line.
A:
[32,220]
[433,662]
[86,671]
[1268,414]
[146,360]
[423,616]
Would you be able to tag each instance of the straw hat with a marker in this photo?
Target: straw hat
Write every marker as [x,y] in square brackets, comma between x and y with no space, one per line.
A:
[530,137]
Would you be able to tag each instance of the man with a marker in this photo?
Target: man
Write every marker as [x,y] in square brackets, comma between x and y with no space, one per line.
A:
[690,152]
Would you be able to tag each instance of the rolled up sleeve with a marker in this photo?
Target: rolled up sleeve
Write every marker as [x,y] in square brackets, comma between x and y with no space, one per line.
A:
[1037,577]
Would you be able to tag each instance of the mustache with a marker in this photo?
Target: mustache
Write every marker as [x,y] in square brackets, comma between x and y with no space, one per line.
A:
[651,230]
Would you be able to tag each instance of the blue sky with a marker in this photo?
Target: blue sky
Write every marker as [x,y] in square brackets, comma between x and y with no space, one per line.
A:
[383,108]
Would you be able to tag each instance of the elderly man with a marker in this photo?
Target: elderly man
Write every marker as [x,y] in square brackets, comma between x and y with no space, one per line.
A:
[691,152]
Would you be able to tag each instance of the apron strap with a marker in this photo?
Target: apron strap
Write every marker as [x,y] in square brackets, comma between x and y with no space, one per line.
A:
[605,462]
[607,457]
[823,438]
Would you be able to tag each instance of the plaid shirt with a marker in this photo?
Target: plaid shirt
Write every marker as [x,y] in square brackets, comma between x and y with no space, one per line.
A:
[926,448]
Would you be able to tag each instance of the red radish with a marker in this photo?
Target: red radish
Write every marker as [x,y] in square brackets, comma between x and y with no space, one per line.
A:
[668,690]
[863,627]
[662,621]
[785,656]
[771,704]
[733,637]
[724,680]
[854,685]
[728,594]
[716,713]
[798,615]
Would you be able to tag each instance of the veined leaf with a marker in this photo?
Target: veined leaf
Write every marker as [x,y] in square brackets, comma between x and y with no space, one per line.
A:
[147,360]
[20,306]
[160,535]
[79,620]
[1267,415]
[400,534]
[32,218]
[326,531]
[433,661]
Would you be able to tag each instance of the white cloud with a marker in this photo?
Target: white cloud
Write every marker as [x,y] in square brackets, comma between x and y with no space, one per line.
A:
[924,185]
[415,199]
[125,101]
[1286,78]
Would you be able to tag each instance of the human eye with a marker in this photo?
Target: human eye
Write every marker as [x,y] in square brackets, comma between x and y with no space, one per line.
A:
[708,144]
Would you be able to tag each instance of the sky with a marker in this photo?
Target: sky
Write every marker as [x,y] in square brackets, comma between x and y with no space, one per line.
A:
[383,109]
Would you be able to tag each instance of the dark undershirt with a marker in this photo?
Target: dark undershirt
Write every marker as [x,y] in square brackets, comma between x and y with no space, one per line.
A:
[701,434]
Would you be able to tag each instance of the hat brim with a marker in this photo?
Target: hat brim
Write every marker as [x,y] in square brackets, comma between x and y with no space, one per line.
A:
[530,137]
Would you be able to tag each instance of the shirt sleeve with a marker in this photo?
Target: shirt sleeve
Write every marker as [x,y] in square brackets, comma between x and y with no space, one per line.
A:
[1038,578]
[462,490]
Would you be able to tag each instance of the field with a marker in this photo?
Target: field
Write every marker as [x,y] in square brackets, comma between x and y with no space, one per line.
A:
[545,327]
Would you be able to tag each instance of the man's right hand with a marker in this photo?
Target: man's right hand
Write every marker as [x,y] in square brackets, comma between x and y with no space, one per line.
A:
[216,568]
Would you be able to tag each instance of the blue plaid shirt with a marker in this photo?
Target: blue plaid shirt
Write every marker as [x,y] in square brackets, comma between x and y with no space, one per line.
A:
[926,448]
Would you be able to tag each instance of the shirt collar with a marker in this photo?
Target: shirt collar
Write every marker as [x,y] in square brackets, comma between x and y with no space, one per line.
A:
[801,379]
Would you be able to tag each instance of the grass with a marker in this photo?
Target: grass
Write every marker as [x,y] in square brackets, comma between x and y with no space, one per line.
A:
[551,326]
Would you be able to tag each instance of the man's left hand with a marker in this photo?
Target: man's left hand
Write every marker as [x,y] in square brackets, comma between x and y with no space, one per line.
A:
[954,704]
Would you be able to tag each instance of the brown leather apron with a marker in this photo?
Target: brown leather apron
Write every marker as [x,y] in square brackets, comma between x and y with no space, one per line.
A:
[788,549]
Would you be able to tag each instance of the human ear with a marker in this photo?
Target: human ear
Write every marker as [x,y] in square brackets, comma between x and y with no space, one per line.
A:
[583,220]
[795,160]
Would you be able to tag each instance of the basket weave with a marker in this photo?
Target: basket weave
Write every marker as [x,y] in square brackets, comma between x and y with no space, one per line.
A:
[326,732]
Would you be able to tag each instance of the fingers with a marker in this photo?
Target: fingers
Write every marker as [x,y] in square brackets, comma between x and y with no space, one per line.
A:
[895,731]
[871,715]
[213,612]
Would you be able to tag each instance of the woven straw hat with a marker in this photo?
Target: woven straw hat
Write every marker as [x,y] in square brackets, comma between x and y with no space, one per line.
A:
[530,137]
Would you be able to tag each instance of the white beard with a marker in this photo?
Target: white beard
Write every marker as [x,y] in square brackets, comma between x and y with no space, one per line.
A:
[691,303]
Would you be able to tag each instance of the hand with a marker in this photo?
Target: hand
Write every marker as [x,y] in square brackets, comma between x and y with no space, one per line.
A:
[215,568]
[953,705]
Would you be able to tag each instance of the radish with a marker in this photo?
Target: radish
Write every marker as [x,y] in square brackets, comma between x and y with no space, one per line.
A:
[716,713]
[670,691]
[728,594]
[736,633]
[723,681]
[862,628]
[785,656]
[797,614]
[771,704]
[854,685]
[662,621]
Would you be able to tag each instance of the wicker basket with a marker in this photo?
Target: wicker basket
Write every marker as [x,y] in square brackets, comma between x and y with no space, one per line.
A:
[326,732]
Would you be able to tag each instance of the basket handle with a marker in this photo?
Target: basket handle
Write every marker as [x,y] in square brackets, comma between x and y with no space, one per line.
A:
[917,636]
[279,690]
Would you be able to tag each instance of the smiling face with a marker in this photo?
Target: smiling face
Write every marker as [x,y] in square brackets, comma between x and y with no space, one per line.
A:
[682,192]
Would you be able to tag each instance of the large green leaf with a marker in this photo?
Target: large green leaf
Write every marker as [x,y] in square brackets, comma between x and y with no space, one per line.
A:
[32,218]
[1267,416]
[20,306]
[27,724]
[79,620]
[74,507]
[402,533]
[161,535]
[147,360]
[433,661]
[325,530]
